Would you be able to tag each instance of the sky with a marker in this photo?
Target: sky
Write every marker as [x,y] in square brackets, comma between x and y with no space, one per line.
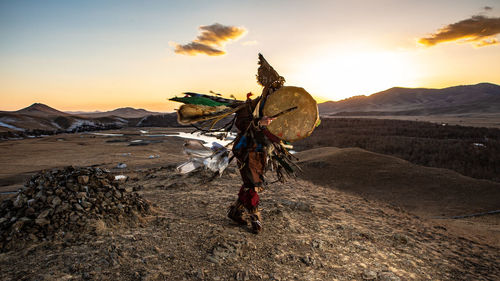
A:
[101,55]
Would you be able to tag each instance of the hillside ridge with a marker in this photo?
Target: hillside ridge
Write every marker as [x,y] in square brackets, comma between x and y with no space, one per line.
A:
[478,98]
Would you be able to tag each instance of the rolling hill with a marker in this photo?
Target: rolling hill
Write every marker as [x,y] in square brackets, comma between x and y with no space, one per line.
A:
[480,98]
[40,109]
[124,112]
[45,119]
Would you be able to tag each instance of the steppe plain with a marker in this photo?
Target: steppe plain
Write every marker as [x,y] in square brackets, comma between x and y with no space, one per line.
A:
[349,217]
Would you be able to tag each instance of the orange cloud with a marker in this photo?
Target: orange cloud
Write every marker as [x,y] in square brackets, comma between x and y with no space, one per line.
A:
[218,34]
[210,40]
[486,42]
[194,48]
[479,29]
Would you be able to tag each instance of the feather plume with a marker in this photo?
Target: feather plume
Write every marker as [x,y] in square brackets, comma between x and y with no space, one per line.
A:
[210,100]
[193,113]
[266,75]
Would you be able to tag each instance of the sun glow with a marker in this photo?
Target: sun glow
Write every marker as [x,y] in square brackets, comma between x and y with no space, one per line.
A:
[341,76]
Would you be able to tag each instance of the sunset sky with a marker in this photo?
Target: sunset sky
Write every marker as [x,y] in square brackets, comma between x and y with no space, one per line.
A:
[101,55]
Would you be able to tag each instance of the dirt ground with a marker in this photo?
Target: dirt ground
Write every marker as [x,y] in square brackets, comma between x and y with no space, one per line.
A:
[337,225]
[431,193]
[21,158]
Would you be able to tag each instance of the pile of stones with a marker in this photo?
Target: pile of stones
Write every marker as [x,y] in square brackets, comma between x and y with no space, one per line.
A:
[57,204]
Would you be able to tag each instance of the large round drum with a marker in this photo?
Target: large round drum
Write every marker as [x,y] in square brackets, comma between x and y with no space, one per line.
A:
[295,124]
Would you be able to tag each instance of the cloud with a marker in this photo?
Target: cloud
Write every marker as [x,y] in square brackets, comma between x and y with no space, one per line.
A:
[218,34]
[211,40]
[487,8]
[477,29]
[486,42]
[194,48]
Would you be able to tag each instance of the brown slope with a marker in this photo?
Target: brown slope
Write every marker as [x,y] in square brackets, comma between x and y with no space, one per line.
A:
[479,98]
[23,122]
[40,109]
[310,233]
[42,117]
[425,191]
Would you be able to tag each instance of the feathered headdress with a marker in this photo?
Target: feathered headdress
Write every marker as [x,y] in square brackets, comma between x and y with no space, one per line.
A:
[266,75]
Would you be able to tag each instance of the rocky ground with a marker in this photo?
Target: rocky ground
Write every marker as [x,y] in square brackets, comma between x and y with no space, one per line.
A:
[310,232]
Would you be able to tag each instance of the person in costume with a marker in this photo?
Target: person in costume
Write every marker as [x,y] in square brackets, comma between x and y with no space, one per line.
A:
[254,147]
[249,149]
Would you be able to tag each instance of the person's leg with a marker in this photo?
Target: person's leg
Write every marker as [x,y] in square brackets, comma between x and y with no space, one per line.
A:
[235,212]
[255,220]
[250,199]
[252,176]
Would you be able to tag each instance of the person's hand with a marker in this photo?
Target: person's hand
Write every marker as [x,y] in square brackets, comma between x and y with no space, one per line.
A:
[265,121]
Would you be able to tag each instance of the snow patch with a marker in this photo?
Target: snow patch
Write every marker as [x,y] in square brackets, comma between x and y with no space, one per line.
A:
[142,120]
[79,123]
[10,126]
[56,125]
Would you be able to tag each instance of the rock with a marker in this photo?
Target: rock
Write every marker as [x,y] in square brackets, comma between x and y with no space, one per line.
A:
[318,244]
[242,276]
[33,237]
[83,179]
[307,260]
[81,195]
[78,207]
[20,200]
[30,202]
[17,225]
[86,205]
[44,214]
[388,276]
[42,221]
[53,204]
[56,201]
[213,259]
[369,275]
[121,166]
[400,238]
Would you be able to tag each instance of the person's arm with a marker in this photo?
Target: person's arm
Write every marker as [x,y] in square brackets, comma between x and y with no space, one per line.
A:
[265,121]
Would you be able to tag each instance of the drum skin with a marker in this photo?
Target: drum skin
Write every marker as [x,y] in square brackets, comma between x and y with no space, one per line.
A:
[294,125]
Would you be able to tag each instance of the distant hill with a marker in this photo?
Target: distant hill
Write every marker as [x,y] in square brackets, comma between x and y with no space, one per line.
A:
[40,109]
[159,120]
[124,112]
[40,119]
[479,98]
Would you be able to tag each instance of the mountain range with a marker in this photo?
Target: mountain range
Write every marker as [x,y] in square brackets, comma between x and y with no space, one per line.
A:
[46,120]
[483,98]
[124,112]
[469,99]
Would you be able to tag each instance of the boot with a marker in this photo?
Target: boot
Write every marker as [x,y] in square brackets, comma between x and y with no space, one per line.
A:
[255,219]
[235,212]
